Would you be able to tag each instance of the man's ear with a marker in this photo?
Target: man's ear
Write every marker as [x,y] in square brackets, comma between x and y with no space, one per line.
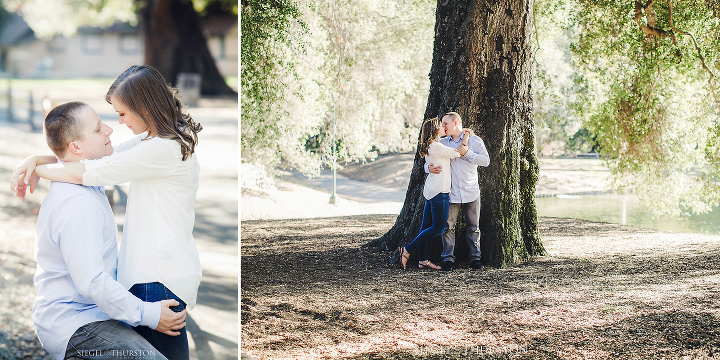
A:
[74,148]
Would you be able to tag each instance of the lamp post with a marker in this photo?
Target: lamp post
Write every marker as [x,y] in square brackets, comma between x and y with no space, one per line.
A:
[340,43]
[333,197]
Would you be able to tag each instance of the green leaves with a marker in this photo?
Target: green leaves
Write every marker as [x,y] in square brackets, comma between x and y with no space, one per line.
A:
[307,66]
[652,110]
[48,18]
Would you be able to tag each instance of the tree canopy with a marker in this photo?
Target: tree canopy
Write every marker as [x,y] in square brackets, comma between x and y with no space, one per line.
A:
[49,18]
[636,81]
[173,36]
[306,65]
[649,70]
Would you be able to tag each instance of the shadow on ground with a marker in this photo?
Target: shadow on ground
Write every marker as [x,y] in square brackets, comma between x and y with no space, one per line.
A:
[309,290]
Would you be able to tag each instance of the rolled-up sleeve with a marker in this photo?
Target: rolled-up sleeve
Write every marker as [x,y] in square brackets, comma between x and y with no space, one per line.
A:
[148,159]
[78,229]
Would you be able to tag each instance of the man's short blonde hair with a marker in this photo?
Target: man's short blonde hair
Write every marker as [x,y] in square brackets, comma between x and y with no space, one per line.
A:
[63,127]
[454,116]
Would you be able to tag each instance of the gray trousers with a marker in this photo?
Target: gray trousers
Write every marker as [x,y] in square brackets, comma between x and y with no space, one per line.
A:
[472,225]
[110,339]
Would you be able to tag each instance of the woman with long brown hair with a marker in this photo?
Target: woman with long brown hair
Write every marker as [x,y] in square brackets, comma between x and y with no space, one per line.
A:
[158,259]
[436,192]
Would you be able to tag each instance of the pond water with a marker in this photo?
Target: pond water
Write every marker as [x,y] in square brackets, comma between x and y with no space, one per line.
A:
[626,210]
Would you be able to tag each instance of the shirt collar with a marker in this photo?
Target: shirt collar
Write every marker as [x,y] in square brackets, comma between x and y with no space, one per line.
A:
[94,187]
[462,134]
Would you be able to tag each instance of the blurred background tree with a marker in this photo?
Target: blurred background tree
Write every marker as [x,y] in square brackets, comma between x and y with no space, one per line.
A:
[174,41]
[172,36]
[308,65]
[556,84]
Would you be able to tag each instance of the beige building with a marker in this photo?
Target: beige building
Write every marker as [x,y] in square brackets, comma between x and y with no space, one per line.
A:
[99,52]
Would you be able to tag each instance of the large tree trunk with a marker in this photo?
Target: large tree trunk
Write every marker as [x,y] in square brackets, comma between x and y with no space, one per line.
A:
[174,43]
[482,70]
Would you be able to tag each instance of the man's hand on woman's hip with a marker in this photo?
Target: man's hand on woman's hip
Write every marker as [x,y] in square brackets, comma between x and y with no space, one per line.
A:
[434,169]
[170,321]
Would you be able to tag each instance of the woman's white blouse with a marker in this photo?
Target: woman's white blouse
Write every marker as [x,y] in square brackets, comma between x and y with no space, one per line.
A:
[439,154]
[157,242]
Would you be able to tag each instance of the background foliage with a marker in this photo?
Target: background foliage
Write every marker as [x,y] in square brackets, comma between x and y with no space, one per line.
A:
[650,106]
[48,18]
[557,86]
[305,65]
[51,17]
[615,77]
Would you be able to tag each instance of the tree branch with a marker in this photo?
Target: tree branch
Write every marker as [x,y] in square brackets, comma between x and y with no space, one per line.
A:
[650,14]
[697,48]
[650,29]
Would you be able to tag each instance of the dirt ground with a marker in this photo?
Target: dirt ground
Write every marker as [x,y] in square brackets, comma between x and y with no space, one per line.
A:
[391,170]
[310,291]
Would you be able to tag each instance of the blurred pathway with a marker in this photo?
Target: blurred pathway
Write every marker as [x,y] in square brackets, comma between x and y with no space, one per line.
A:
[359,191]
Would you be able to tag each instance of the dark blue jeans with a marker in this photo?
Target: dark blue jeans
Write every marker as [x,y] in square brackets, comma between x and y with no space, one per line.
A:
[435,215]
[173,347]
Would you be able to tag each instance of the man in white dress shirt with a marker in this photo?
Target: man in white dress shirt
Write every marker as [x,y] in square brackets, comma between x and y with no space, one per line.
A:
[81,310]
[464,190]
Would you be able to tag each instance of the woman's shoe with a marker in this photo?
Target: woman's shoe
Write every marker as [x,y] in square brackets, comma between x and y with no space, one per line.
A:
[428,264]
[404,256]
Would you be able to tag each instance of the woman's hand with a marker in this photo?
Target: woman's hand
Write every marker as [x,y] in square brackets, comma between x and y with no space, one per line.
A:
[23,175]
[22,187]
[466,139]
[462,149]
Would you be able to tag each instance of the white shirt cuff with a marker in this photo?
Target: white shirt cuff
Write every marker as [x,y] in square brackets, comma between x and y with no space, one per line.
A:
[98,163]
[151,314]
[90,177]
